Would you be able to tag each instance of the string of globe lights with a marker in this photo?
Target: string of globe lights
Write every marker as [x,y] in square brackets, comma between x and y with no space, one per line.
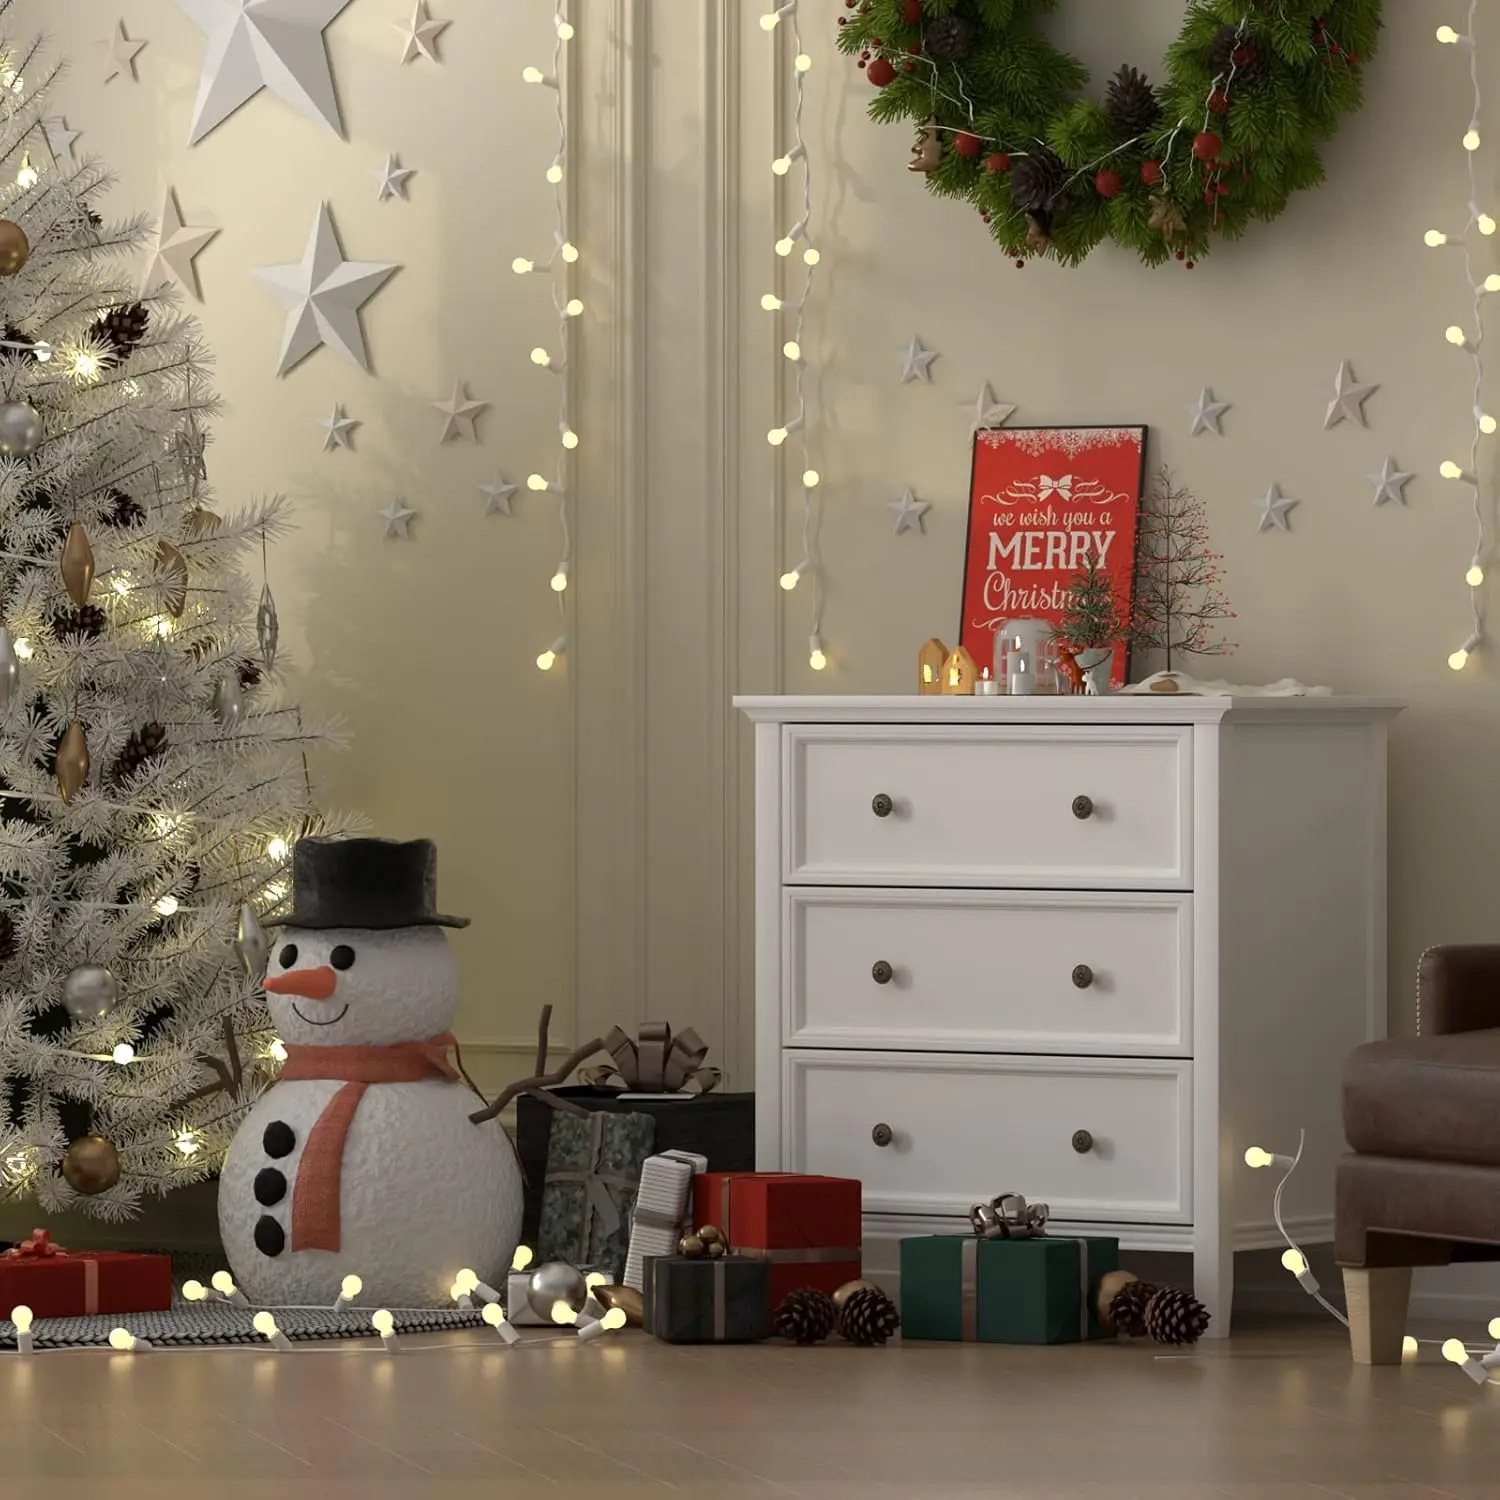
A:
[811,564]
[1476,1361]
[1471,342]
[557,267]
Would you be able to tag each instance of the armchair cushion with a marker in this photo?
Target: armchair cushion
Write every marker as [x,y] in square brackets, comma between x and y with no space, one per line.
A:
[1458,989]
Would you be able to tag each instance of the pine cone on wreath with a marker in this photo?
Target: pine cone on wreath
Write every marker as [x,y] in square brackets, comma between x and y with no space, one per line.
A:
[121,329]
[1241,53]
[949,39]
[1132,103]
[1039,181]
[123,509]
[9,942]
[806,1316]
[1127,1309]
[85,623]
[1175,1317]
[868,1317]
[145,746]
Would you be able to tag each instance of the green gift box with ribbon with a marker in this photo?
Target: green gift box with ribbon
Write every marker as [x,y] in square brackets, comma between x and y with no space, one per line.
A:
[588,1196]
[1004,1291]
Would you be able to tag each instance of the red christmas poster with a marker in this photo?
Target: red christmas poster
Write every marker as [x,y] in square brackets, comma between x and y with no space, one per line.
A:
[1043,499]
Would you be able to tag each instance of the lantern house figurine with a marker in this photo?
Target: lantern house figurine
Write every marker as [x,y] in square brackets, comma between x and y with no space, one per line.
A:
[930,662]
[959,674]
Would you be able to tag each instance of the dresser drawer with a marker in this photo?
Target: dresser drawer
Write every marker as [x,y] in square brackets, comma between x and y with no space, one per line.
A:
[965,1128]
[1013,805]
[1012,971]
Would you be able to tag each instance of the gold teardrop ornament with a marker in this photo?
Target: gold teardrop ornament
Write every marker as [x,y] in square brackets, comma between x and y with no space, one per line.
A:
[202,523]
[72,762]
[173,568]
[77,564]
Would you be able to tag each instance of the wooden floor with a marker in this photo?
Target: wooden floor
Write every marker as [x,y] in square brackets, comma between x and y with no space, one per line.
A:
[1271,1415]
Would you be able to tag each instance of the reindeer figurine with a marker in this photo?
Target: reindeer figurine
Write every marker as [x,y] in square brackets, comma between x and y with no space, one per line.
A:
[1072,673]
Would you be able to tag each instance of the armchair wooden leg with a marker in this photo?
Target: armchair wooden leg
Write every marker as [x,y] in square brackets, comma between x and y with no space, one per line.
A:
[1376,1299]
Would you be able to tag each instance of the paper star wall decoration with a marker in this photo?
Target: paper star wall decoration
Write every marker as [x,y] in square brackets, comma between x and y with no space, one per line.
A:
[59,138]
[177,246]
[1390,483]
[1208,414]
[264,44]
[1349,397]
[338,431]
[989,412]
[461,414]
[392,178]
[1275,510]
[911,513]
[118,55]
[398,518]
[916,363]
[419,38]
[323,294]
[497,496]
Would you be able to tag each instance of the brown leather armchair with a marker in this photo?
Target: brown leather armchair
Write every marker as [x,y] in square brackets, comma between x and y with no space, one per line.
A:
[1421,1183]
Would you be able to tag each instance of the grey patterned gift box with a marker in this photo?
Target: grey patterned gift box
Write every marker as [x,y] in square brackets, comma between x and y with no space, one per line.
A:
[588,1197]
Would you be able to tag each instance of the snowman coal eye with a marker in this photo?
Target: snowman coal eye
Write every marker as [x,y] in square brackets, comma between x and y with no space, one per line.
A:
[342,957]
[288,956]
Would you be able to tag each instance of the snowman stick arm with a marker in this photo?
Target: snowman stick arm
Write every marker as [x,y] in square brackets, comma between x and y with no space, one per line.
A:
[229,1075]
[541,1081]
[543,1027]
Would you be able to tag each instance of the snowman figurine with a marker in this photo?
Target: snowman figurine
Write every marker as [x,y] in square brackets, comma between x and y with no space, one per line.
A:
[362,1158]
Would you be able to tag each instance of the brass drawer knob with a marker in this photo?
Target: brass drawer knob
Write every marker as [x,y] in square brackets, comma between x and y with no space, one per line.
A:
[882,1135]
[882,972]
[881,805]
[1083,976]
[1083,807]
[1083,1142]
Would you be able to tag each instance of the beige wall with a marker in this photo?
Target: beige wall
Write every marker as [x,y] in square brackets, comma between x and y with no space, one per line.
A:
[595,822]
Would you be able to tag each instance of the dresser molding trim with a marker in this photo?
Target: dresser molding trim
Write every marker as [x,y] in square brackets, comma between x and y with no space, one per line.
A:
[1118,708]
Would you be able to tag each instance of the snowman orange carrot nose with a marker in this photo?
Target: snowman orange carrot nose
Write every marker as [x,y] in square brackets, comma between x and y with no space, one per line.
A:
[311,984]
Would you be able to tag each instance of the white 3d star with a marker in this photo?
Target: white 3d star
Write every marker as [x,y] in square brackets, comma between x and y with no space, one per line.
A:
[323,294]
[1390,483]
[497,495]
[264,44]
[989,412]
[916,363]
[461,414]
[398,519]
[177,245]
[419,38]
[911,513]
[392,178]
[1207,414]
[59,137]
[1349,397]
[338,431]
[118,54]
[1274,511]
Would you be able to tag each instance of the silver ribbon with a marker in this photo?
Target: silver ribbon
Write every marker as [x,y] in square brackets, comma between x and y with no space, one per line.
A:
[969,1272]
[721,1322]
[1008,1216]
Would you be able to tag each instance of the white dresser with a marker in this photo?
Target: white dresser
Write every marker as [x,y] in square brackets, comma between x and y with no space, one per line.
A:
[1084,949]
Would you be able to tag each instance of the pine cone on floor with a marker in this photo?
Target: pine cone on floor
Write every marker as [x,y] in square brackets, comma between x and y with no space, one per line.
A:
[1127,1309]
[1039,181]
[1175,1317]
[85,623]
[146,745]
[948,39]
[1241,53]
[1132,103]
[9,941]
[806,1316]
[120,330]
[251,672]
[868,1317]
[122,509]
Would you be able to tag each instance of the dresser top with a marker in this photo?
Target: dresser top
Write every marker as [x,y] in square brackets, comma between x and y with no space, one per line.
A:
[1117,708]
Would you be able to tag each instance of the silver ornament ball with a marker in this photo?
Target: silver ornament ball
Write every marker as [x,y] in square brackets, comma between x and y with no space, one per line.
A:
[20,429]
[90,992]
[555,1282]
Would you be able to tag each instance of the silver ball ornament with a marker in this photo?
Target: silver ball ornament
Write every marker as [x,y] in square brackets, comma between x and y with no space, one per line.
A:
[556,1282]
[90,992]
[20,429]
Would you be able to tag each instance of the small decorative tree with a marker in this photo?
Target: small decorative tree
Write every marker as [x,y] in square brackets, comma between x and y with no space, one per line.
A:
[1177,594]
[1092,618]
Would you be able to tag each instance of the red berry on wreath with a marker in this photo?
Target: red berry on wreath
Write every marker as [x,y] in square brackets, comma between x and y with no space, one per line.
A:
[913,48]
[1218,102]
[1182,255]
[860,63]
[1206,145]
[966,143]
[911,12]
[1108,182]
[997,161]
[908,67]
[1151,173]
[1020,265]
[880,72]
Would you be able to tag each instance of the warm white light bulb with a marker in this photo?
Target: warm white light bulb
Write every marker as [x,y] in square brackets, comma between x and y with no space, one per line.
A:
[569,439]
[187,1143]
[555,173]
[351,1286]
[121,1340]
[563,1315]
[194,1291]
[785,245]
[493,1314]
[277,1049]
[522,267]
[1447,35]
[21,1317]
[569,252]
[1487,424]
[560,578]
[811,479]
[466,1281]
[532,75]
[574,308]
[792,577]
[595,1278]
[167,906]
[771,302]
[536,482]
[1258,1156]
[776,436]
[1459,660]
[1450,470]
[1471,139]
[816,658]
[782,165]
[792,349]
[1408,1344]
[1295,1261]
[1486,224]
[41,350]
[565,32]
[278,848]
[1475,576]
[264,1323]
[1494,1328]
[770,21]
[28,176]
[811,257]
[223,1283]
[383,1322]
[1455,335]
[546,661]
[24,649]
[802,62]
[522,1258]
[1492,282]
[123,1054]
[539,356]
[1454,1351]
[86,365]
[1434,238]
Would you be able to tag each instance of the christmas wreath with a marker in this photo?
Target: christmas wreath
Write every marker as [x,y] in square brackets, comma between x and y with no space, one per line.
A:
[1251,88]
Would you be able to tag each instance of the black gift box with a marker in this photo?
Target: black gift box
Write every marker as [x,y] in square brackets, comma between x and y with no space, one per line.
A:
[724,1301]
[718,1126]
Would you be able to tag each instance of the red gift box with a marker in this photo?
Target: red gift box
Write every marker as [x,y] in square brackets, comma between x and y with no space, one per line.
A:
[57,1283]
[807,1227]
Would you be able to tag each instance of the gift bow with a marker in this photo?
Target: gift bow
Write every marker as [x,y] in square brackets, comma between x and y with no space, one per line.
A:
[38,1247]
[1062,486]
[1009,1217]
[657,1062]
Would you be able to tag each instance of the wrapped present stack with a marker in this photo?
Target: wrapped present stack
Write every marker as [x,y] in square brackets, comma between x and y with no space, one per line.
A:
[58,1283]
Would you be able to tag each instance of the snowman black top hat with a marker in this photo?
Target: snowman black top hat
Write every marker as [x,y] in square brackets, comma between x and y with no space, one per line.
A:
[372,883]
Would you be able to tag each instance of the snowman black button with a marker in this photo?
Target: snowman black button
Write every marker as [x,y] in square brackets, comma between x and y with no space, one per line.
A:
[270,1237]
[270,1186]
[279,1140]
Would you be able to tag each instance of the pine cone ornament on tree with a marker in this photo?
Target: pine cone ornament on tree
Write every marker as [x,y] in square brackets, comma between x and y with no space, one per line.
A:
[1132,103]
[1175,1317]
[1127,1308]
[1039,181]
[122,509]
[121,329]
[868,1317]
[806,1316]
[1239,53]
[250,672]
[9,942]
[948,39]
[146,745]
[85,623]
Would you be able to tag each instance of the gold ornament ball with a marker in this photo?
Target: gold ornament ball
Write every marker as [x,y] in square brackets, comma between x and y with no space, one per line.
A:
[1109,1288]
[692,1246]
[710,1235]
[91,1165]
[849,1288]
[627,1299]
[714,1249]
[15,248]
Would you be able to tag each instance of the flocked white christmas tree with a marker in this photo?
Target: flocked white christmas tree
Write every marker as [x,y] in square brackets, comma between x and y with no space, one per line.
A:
[152,776]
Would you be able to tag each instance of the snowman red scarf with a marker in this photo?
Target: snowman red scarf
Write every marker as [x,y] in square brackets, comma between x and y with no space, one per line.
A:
[320,1175]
